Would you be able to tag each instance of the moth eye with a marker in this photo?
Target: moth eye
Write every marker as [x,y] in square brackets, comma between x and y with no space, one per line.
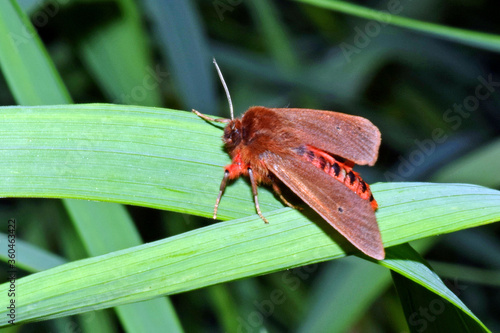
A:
[341,210]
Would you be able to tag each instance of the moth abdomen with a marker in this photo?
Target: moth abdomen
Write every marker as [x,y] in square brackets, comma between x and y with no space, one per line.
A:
[340,170]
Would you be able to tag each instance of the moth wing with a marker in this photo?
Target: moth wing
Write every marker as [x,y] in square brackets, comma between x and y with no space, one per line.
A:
[350,215]
[351,137]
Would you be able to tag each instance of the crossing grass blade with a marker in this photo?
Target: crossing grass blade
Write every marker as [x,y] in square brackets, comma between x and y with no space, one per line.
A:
[468,37]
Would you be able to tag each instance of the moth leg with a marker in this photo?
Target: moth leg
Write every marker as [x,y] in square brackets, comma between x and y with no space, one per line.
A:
[254,191]
[221,191]
[207,118]
[277,189]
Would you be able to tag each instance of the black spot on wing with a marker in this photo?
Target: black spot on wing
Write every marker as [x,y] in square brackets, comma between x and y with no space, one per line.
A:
[352,177]
[363,186]
[301,150]
[322,162]
[336,169]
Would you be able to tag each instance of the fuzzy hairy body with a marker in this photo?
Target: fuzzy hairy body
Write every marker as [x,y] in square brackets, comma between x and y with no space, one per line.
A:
[250,138]
[262,131]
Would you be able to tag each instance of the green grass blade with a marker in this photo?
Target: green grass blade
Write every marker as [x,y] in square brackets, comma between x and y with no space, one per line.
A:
[87,222]
[117,56]
[473,38]
[145,156]
[226,306]
[241,248]
[426,312]
[183,43]
[419,292]
[338,303]
[97,225]
[112,150]
[427,217]
[466,168]
[157,158]
[344,292]
[468,273]
[33,259]
[275,34]
[29,6]
[24,60]
[47,88]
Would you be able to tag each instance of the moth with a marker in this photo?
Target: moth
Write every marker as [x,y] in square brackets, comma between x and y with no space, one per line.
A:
[313,153]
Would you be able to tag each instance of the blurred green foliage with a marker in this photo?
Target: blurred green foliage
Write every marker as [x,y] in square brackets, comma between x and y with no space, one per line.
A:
[433,91]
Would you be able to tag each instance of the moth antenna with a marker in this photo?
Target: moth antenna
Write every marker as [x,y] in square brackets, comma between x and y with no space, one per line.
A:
[225,88]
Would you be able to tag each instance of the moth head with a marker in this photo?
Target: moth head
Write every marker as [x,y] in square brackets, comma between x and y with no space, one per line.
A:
[232,134]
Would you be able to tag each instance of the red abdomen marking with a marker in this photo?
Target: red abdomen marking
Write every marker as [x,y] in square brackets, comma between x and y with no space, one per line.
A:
[341,171]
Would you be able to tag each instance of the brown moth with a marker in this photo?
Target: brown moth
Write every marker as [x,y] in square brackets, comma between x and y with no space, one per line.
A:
[312,152]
